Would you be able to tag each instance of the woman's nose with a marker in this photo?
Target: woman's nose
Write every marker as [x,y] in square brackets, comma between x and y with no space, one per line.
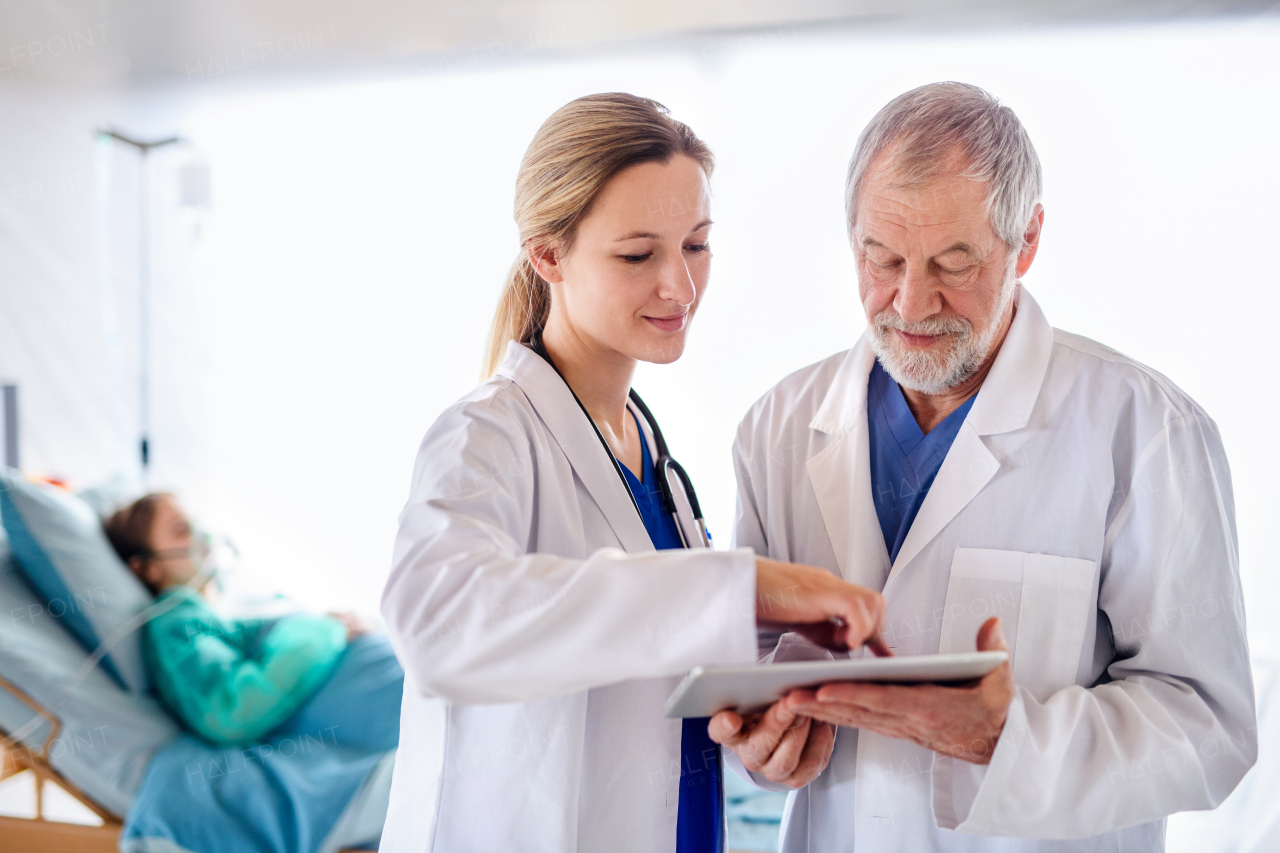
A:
[677,282]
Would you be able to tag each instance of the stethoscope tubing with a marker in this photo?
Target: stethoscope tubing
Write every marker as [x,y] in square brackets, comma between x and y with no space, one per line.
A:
[662,464]
[665,461]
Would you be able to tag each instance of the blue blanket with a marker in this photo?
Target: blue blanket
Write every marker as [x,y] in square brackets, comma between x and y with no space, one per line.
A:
[285,794]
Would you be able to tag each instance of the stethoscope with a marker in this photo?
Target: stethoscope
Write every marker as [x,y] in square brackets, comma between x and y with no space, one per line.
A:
[664,466]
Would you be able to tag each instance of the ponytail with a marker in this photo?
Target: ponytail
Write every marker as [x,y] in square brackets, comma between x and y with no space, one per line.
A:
[573,155]
[522,311]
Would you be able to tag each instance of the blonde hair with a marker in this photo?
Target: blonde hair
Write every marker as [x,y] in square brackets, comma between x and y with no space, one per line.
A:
[573,155]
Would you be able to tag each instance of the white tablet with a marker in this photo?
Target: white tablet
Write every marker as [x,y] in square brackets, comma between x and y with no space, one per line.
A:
[749,689]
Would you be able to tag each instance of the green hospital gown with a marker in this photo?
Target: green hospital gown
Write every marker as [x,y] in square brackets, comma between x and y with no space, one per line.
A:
[211,677]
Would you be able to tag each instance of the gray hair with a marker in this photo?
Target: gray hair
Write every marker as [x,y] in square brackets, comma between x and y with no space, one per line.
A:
[924,125]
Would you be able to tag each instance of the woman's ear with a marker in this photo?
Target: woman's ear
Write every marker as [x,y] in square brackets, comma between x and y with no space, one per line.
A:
[546,260]
[147,571]
[142,571]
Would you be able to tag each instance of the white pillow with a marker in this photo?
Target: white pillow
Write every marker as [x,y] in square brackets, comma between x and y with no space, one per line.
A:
[105,498]
[63,552]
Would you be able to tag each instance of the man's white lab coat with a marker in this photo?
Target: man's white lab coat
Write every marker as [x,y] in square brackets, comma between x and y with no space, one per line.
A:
[1087,502]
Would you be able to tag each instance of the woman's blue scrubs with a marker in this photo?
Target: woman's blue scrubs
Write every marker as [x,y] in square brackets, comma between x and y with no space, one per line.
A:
[700,822]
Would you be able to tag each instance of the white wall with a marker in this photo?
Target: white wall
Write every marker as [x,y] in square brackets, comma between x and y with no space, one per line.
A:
[360,233]
[52,329]
[69,291]
[336,297]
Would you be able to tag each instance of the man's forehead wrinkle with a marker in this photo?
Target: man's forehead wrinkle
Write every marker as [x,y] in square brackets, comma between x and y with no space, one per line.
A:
[929,239]
[903,214]
[900,207]
[907,203]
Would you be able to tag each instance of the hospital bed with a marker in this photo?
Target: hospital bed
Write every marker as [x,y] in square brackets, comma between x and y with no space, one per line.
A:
[44,834]
[78,736]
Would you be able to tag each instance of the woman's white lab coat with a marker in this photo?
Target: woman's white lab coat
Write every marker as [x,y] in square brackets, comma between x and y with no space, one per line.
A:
[525,592]
[1087,502]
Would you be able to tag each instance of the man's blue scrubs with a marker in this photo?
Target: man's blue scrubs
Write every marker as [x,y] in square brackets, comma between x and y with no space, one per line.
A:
[904,460]
[700,820]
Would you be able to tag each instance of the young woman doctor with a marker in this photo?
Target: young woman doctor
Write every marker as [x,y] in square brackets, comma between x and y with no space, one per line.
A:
[541,588]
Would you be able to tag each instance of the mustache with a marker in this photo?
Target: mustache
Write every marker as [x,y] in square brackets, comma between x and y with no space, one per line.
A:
[937,325]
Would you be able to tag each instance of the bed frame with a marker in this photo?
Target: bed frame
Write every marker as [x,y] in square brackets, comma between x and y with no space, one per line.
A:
[37,834]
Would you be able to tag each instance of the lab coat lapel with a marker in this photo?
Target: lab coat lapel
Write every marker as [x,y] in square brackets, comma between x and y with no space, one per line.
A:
[841,473]
[1003,404]
[573,432]
[968,467]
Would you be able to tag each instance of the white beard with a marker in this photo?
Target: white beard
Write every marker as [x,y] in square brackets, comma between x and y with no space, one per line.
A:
[955,360]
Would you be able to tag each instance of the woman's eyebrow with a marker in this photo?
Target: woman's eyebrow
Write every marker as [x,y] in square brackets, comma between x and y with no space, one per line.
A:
[649,235]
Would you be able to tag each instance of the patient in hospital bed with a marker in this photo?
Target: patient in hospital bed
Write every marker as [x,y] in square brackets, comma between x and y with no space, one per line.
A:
[229,681]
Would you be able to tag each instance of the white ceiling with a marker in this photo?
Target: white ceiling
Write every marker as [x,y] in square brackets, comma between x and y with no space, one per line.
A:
[134,43]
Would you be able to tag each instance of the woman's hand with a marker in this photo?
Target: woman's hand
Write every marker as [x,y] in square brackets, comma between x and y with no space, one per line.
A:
[817,604]
[356,625]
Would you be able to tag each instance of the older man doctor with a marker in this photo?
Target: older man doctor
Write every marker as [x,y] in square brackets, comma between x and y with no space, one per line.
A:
[1008,486]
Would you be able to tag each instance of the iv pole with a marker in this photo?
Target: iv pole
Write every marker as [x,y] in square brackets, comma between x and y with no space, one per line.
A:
[144,285]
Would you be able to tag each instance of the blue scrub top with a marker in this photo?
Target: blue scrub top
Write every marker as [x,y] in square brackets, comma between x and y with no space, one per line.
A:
[700,819]
[661,526]
[904,460]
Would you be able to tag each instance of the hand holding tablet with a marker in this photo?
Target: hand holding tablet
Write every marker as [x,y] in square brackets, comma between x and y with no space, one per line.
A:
[955,705]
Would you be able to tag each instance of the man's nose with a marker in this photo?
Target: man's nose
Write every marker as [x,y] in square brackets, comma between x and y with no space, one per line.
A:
[917,298]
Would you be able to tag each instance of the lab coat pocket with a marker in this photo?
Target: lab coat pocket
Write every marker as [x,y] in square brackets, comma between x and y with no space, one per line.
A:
[1043,602]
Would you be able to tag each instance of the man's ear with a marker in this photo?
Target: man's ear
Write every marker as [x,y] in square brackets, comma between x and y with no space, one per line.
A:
[546,259]
[1030,241]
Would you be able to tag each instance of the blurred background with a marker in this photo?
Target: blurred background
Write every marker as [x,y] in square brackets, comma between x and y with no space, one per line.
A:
[284,298]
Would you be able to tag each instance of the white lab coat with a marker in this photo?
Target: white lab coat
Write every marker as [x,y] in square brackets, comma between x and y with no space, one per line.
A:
[525,591]
[1087,501]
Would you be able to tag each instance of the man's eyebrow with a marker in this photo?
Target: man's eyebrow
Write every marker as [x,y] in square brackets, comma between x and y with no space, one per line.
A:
[961,246]
[649,235]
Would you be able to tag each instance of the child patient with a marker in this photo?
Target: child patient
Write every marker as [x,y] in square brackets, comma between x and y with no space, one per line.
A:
[229,681]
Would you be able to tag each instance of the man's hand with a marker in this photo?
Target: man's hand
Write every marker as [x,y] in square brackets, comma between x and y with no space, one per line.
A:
[817,604]
[963,722]
[784,747]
